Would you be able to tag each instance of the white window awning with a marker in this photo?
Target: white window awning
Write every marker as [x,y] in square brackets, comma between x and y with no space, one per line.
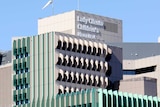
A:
[76,41]
[61,88]
[82,60]
[67,74]
[109,51]
[106,65]
[106,48]
[60,38]
[67,89]
[72,74]
[61,72]
[102,80]
[72,59]
[82,77]
[77,60]
[72,89]
[70,40]
[101,64]
[97,78]
[66,57]
[106,80]
[77,76]
[101,47]
[87,62]
[92,78]
[87,77]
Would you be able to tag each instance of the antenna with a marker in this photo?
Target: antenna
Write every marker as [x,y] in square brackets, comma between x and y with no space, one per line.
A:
[78,4]
[47,4]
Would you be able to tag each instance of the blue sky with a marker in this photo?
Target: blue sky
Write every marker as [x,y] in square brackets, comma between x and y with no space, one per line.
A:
[141,18]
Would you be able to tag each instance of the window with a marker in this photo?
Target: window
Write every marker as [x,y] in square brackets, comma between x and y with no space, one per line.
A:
[26,101]
[20,65]
[24,64]
[21,70]
[26,54]
[79,48]
[84,49]
[22,86]
[24,49]
[15,82]
[20,50]
[17,87]
[17,103]
[15,66]
[25,96]
[26,70]
[26,86]
[15,97]
[24,80]
[17,56]
[69,46]
[17,72]
[74,47]
[21,55]
[64,45]
[20,96]
[59,45]
[15,51]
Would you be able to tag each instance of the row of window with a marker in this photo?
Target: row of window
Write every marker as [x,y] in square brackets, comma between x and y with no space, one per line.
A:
[82,63]
[26,101]
[91,48]
[80,78]
[22,55]
[22,71]
[20,66]
[18,87]
[20,50]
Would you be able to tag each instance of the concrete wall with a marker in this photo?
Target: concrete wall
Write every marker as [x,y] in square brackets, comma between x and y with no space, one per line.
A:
[6,85]
[140,85]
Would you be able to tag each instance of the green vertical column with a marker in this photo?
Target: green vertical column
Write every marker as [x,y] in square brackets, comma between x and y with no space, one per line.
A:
[136,99]
[120,94]
[38,70]
[82,97]
[115,94]
[33,71]
[145,98]
[77,98]
[57,101]
[126,96]
[42,76]
[72,99]
[111,94]
[155,102]
[28,45]
[131,97]
[19,46]
[23,45]
[14,47]
[100,98]
[47,61]
[94,98]
[62,100]
[88,97]
[105,92]
[140,102]
[150,99]
[67,99]
[52,70]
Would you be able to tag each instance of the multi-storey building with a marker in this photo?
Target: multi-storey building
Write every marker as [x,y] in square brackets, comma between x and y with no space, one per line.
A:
[83,24]
[141,68]
[54,63]
[105,98]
